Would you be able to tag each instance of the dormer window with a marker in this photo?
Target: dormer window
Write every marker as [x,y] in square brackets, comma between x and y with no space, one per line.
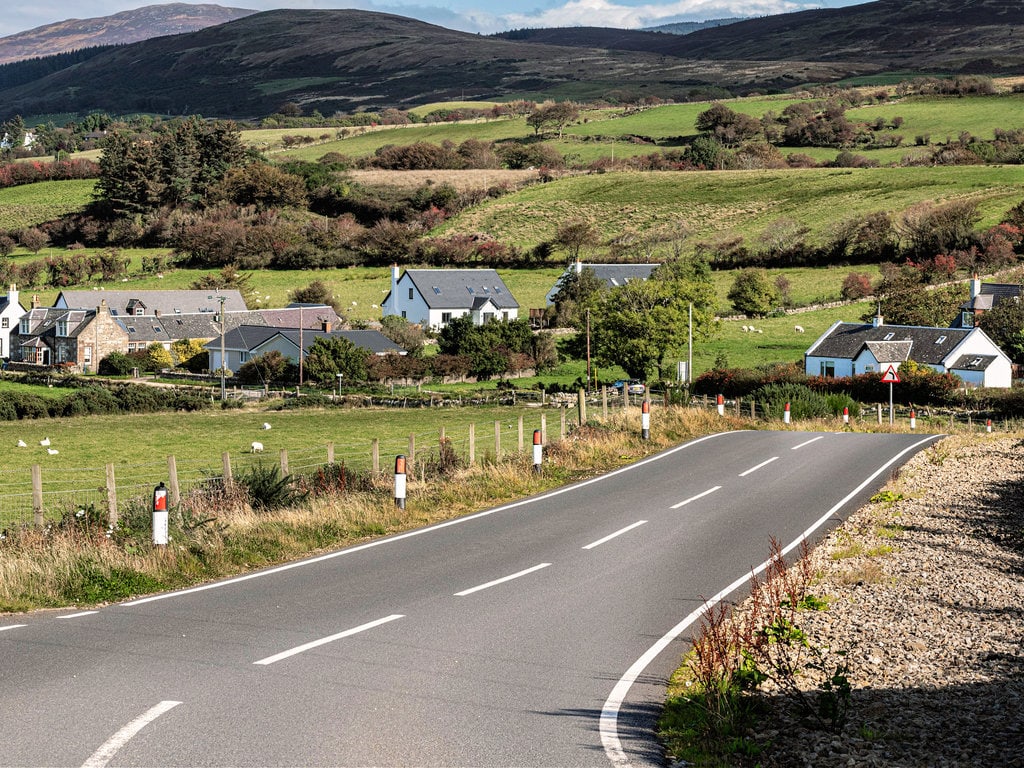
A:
[23,326]
[62,328]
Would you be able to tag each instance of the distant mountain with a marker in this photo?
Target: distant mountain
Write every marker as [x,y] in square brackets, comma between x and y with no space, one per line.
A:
[687,27]
[126,27]
[343,60]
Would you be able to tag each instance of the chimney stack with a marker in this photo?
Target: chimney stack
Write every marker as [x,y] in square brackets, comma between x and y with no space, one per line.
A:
[975,286]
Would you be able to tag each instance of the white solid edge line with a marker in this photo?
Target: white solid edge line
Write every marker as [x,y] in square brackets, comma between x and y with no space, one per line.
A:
[808,442]
[608,724]
[762,465]
[105,753]
[325,640]
[502,580]
[708,492]
[421,531]
[12,626]
[77,615]
[611,536]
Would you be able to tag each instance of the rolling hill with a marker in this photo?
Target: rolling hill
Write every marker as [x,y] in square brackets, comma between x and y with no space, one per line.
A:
[346,60]
[117,29]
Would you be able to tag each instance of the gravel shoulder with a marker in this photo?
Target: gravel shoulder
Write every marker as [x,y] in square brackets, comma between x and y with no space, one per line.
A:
[926,594]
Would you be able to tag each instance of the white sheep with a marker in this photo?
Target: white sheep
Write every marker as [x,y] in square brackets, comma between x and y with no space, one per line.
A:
[257,447]
[52,451]
[798,328]
[760,330]
[266,425]
[22,444]
[44,442]
[745,328]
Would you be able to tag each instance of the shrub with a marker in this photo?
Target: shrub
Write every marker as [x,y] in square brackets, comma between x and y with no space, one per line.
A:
[116,364]
[804,403]
[267,489]
[88,400]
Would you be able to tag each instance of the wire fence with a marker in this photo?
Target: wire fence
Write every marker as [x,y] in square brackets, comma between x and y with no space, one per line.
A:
[38,497]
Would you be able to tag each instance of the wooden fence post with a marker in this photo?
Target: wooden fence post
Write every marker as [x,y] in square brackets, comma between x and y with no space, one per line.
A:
[173,488]
[111,496]
[284,462]
[330,453]
[753,409]
[561,423]
[544,429]
[582,406]
[604,403]
[520,443]
[375,453]
[226,462]
[37,494]
[497,440]
[472,444]
[411,455]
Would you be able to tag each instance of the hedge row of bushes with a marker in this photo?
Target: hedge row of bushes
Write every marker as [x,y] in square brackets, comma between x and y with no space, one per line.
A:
[919,385]
[89,399]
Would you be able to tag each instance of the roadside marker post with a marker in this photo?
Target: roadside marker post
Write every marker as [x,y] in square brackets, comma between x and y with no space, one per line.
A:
[721,405]
[846,414]
[913,419]
[645,420]
[538,451]
[785,415]
[400,481]
[160,515]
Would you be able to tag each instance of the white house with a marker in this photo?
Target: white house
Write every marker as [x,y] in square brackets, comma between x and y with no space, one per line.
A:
[11,312]
[434,297]
[848,349]
[612,275]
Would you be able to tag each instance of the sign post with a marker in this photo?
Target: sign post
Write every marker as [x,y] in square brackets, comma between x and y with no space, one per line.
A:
[890,377]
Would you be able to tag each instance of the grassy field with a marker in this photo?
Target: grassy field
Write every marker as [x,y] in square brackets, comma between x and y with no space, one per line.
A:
[711,204]
[32,204]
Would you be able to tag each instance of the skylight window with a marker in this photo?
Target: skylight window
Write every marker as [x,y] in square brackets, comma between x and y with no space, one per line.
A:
[975,361]
[940,340]
[437,290]
[888,337]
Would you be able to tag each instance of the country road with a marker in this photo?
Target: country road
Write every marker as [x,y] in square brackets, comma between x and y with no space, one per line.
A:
[537,633]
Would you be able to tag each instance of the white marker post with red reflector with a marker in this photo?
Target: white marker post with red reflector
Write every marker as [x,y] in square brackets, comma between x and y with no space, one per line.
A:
[645,420]
[400,481]
[538,451]
[785,415]
[721,405]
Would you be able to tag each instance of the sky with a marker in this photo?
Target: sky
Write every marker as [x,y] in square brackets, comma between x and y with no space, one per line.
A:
[483,16]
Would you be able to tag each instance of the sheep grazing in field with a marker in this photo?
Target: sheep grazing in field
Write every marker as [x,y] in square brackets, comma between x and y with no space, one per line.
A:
[745,328]
[798,328]
[52,451]
[257,447]
[266,425]
[44,442]
[22,444]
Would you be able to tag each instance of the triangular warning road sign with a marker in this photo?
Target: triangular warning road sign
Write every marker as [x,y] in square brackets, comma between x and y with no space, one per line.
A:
[890,376]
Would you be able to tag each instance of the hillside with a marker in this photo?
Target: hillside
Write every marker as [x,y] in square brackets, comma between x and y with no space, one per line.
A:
[346,60]
[117,29]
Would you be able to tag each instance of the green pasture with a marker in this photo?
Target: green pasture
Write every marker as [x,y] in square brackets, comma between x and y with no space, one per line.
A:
[426,109]
[942,120]
[712,204]
[31,204]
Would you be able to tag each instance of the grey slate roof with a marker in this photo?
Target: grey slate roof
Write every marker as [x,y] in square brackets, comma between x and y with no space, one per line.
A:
[973,362]
[612,275]
[42,320]
[198,325]
[304,315]
[930,345]
[889,351]
[249,337]
[458,288]
[123,303]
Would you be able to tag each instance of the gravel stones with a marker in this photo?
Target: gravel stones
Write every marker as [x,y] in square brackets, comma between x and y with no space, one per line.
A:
[926,593]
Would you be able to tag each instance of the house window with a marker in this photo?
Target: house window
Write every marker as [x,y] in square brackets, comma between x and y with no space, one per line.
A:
[62,355]
[410,294]
[62,327]
[966,319]
[243,357]
[87,354]
[5,322]
[403,315]
[23,326]
[139,310]
[446,317]
[828,369]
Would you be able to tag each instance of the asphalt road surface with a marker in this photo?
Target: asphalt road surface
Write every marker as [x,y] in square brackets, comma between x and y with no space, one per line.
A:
[540,633]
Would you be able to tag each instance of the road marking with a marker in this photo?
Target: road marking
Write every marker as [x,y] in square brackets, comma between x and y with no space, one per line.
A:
[502,580]
[807,442]
[608,724]
[708,492]
[611,536]
[422,531]
[12,626]
[77,615]
[759,466]
[104,754]
[325,640]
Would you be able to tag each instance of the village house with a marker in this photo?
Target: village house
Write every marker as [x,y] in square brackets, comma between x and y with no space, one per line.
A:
[985,296]
[848,349]
[433,298]
[611,275]
[75,338]
[246,342]
[10,315]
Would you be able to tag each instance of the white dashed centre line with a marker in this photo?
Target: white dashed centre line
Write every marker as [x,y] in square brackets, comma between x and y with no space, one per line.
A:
[611,536]
[708,492]
[78,615]
[807,442]
[502,580]
[759,466]
[325,640]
